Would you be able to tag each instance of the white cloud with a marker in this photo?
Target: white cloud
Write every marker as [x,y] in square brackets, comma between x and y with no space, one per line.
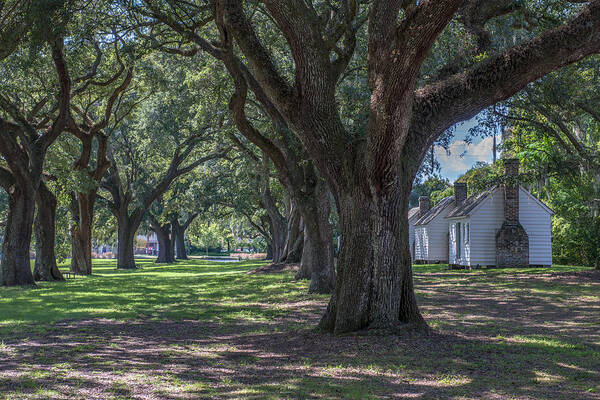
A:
[463,156]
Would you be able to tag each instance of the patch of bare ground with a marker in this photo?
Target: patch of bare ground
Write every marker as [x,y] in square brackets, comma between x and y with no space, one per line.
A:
[586,276]
[492,338]
[274,268]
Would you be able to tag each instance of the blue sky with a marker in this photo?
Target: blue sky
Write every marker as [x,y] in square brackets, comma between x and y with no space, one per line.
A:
[453,165]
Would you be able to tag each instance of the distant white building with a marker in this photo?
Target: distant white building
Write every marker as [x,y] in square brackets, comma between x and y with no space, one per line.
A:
[413,216]
[144,244]
[504,226]
[147,244]
[431,234]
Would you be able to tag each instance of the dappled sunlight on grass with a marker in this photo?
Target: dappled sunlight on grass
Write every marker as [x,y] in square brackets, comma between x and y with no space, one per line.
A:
[196,289]
[201,329]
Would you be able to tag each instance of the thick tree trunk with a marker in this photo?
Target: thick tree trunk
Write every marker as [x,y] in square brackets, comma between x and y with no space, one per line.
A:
[277,230]
[45,268]
[179,239]
[15,268]
[269,251]
[172,248]
[165,244]
[180,249]
[164,249]
[125,238]
[278,244]
[305,270]
[277,224]
[294,255]
[81,233]
[317,255]
[374,287]
[295,236]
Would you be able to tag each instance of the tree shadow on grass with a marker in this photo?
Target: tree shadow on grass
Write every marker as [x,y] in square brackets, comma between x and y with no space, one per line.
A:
[542,304]
[494,337]
[196,291]
[192,359]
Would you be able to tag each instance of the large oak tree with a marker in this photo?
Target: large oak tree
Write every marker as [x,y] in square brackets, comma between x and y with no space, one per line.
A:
[371,175]
[170,134]
[296,171]
[25,136]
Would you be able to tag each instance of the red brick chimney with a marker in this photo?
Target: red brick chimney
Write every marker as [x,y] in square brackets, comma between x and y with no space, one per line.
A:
[424,205]
[460,193]
[511,190]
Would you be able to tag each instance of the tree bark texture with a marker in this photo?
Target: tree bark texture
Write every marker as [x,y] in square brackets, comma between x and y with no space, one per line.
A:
[15,266]
[269,251]
[165,242]
[374,279]
[179,237]
[81,233]
[295,236]
[125,243]
[277,240]
[45,268]
[317,255]
[179,234]
[296,247]
[172,247]
[23,148]
[371,176]
[180,244]
[278,226]
[295,168]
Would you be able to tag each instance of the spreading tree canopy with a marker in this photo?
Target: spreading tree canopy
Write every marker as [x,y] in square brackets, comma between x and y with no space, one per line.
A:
[296,54]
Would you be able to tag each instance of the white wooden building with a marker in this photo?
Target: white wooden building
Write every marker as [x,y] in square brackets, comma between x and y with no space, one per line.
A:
[505,226]
[431,233]
[475,226]
[413,215]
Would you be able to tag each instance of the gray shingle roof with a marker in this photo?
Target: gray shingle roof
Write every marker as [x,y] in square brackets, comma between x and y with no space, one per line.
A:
[435,211]
[469,204]
[413,212]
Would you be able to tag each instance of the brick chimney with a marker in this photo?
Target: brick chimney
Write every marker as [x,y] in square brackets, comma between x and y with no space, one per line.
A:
[460,193]
[511,190]
[512,242]
[424,205]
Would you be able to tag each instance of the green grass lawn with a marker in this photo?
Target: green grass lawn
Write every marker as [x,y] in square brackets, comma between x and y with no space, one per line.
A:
[200,290]
[202,329]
